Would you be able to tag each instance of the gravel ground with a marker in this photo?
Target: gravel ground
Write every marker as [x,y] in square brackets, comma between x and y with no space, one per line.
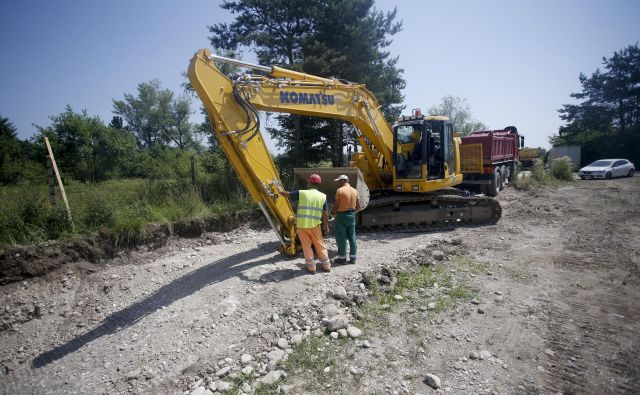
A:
[546,301]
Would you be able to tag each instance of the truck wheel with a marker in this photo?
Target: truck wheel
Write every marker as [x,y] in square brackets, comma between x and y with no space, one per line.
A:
[504,175]
[512,172]
[494,187]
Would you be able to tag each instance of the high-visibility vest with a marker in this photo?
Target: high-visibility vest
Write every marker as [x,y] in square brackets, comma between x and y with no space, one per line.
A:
[310,204]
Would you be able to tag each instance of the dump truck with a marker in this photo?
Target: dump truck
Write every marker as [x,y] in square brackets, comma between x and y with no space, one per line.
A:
[528,156]
[499,152]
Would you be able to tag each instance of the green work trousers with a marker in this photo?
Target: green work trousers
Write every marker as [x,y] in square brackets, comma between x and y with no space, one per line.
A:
[345,229]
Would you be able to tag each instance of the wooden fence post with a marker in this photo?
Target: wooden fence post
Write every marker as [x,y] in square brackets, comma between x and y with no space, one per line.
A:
[55,169]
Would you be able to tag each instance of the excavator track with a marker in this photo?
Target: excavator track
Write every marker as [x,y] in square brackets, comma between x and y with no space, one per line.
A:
[449,208]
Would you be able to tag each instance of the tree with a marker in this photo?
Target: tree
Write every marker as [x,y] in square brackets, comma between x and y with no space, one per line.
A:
[116,123]
[10,152]
[458,111]
[606,119]
[156,116]
[84,147]
[178,129]
[276,29]
[349,43]
[330,38]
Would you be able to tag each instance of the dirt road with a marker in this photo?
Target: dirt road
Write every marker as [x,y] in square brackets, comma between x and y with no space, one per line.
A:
[546,301]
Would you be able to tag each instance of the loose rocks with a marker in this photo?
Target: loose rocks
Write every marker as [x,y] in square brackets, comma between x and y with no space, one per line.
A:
[272,377]
[245,359]
[283,343]
[354,332]
[433,381]
[484,354]
[438,255]
[331,310]
[339,293]
[223,372]
[275,356]
[337,322]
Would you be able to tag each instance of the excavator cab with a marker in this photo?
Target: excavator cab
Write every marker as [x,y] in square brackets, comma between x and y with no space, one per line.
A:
[423,147]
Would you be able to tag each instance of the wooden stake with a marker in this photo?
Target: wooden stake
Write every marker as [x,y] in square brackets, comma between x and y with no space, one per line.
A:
[55,169]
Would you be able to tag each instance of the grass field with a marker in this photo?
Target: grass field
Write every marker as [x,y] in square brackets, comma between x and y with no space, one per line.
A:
[27,216]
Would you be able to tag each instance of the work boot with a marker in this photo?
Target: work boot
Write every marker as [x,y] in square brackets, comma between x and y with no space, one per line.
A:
[339,261]
[352,260]
[326,266]
[311,267]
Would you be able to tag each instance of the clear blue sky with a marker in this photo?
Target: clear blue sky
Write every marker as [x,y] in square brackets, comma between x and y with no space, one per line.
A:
[516,62]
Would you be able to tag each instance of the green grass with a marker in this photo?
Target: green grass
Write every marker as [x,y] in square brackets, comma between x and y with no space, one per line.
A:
[474,266]
[312,356]
[519,275]
[26,215]
[264,389]
[376,310]
[305,366]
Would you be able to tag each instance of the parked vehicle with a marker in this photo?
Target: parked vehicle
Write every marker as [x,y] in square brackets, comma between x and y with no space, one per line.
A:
[608,168]
[528,156]
[499,152]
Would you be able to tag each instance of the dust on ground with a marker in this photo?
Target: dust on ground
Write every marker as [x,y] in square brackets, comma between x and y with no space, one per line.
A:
[546,301]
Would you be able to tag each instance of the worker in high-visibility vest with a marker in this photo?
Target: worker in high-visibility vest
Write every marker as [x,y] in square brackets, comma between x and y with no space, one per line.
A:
[313,212]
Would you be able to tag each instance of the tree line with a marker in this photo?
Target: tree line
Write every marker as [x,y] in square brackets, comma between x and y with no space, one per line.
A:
[151,134]
[606,120]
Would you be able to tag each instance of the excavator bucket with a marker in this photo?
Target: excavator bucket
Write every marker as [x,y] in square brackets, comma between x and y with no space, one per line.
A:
[328,186]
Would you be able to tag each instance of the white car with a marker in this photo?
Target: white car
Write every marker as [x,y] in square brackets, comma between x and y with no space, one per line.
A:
[608,168]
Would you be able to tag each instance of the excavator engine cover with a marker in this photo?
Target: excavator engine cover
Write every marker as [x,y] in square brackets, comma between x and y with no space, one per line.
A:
[328,186]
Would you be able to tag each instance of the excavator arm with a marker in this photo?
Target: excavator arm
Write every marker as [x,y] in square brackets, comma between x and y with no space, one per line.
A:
[237,130]
[232,107]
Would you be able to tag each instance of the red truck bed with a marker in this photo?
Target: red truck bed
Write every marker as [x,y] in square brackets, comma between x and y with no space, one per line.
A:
[498,146]
[499,157]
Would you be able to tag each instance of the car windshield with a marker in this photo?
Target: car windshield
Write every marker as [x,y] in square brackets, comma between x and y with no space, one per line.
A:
[601,163]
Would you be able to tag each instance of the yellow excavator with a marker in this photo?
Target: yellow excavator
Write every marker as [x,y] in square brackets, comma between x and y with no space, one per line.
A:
[404,173]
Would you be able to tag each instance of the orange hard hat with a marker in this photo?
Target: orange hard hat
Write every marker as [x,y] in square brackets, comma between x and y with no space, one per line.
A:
[314,179]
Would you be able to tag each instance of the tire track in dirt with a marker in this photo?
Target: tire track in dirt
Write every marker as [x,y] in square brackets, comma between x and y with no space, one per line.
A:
[592,328]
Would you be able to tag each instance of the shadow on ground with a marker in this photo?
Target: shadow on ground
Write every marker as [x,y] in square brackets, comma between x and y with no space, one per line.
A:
[214,272]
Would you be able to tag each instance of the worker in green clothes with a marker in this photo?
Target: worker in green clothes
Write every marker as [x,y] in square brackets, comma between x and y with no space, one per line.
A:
[346,204]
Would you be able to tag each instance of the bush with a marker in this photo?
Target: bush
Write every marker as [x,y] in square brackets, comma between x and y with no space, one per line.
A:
[561,169]
[537,171]
[29,217]
[559,173]
[97,211]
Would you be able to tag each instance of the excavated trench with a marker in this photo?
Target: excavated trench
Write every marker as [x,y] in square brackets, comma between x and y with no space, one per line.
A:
[20,262]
